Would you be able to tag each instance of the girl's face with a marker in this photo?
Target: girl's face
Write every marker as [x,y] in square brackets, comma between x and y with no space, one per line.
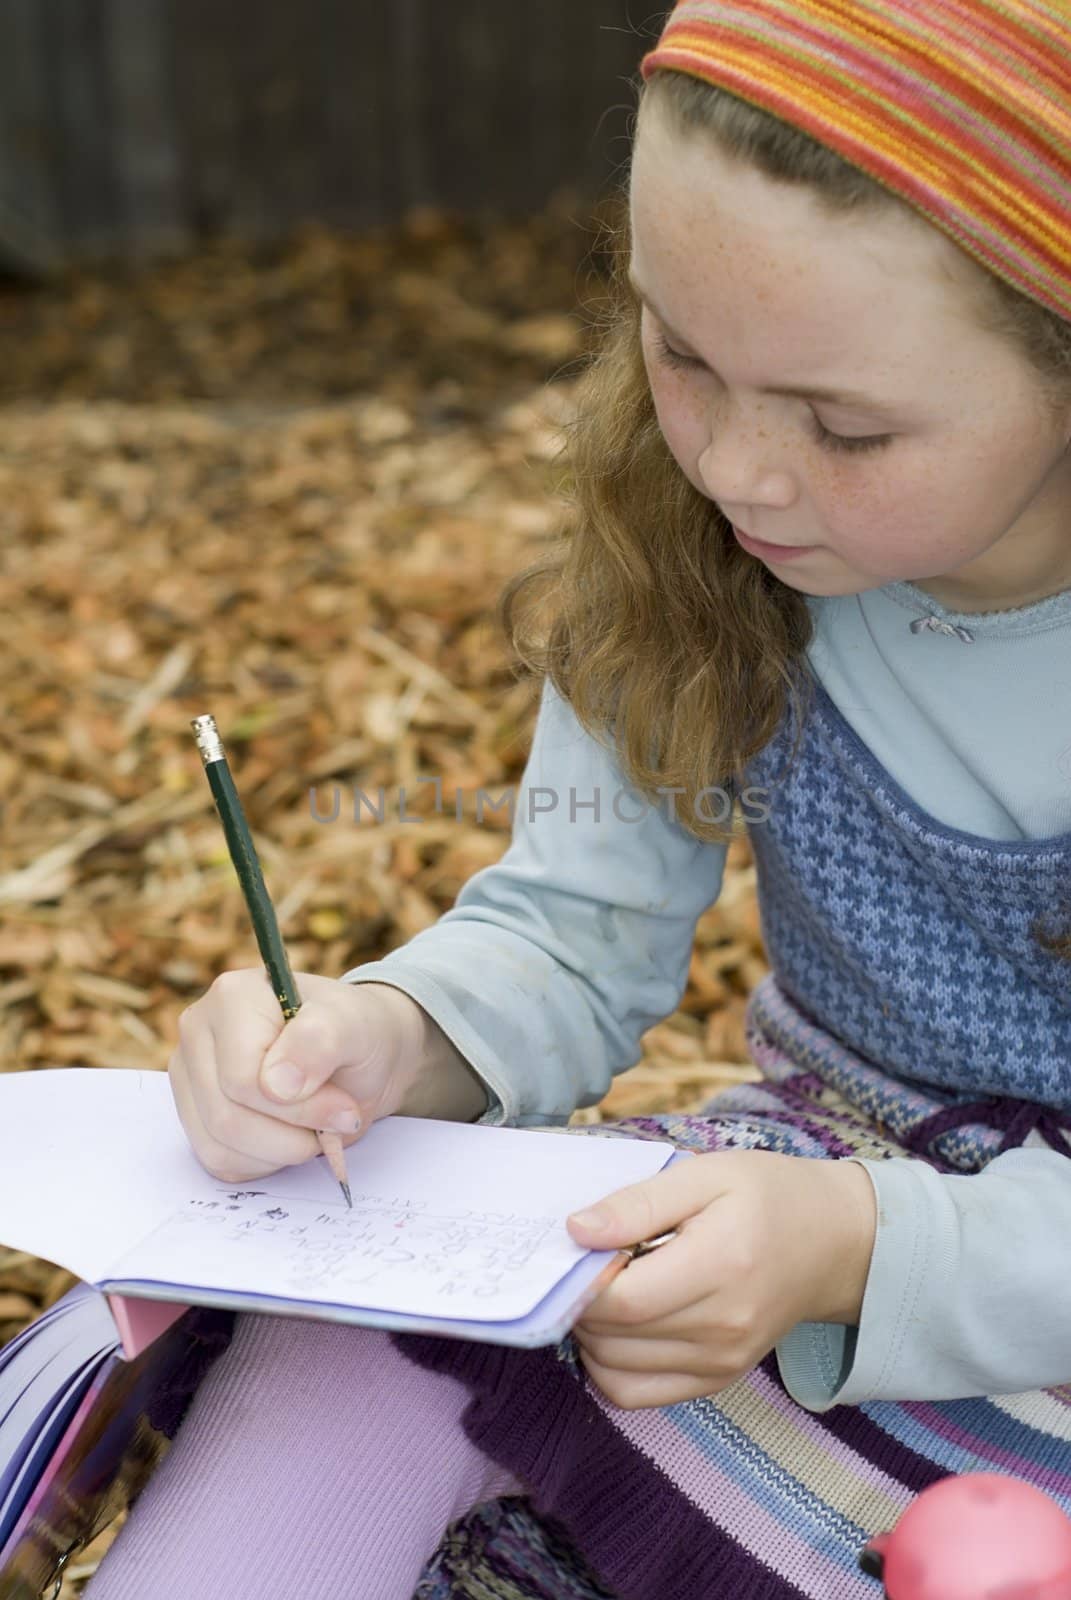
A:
[944,469]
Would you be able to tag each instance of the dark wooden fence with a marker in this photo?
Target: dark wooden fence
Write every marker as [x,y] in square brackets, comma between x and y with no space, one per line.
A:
[130,127]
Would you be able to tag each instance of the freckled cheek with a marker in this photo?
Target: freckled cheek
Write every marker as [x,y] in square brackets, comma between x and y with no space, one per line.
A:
[877,530]
[684,428]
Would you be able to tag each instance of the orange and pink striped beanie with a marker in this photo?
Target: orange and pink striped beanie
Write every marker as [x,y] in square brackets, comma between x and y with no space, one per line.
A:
[961,107]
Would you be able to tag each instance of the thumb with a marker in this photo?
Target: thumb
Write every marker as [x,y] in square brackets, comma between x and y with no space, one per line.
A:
[300,1060]
[640,1211]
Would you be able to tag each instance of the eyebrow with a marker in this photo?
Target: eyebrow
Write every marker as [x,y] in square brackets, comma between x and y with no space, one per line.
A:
[842,397]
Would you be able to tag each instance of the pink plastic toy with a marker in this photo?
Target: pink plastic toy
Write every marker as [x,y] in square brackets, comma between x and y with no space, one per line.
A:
[978,1536]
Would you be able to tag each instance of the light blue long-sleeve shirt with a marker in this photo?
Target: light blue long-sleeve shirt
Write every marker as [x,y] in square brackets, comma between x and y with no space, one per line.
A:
[555,961]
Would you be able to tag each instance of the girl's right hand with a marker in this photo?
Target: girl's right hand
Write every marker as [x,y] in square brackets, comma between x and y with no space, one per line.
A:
[351,1041]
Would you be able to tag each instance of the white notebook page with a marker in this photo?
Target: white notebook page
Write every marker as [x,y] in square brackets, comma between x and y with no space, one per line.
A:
[452,1219]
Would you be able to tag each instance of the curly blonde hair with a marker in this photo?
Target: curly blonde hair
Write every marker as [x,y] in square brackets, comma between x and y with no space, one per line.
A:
[672,645]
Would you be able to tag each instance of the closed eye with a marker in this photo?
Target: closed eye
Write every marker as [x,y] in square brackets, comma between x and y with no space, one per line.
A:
[829,441]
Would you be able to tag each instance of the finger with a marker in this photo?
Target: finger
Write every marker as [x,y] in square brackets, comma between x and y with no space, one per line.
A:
[644,1210]
[684,1323]
[631,1391]
[659,1288]
[217,1159]
[225,1134]
[310,1049]
[314,1050]
[640,1355]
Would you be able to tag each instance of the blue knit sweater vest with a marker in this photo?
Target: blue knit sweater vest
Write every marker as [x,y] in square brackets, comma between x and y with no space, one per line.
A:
[908,941]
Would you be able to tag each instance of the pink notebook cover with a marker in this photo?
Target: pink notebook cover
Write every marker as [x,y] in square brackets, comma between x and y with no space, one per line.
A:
[105,1454]
[59,1456]
[139,1322]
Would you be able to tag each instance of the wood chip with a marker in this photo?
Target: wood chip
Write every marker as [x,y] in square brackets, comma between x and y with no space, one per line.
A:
[285,486]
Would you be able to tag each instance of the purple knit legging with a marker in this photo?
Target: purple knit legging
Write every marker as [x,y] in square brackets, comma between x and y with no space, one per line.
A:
[314,1460]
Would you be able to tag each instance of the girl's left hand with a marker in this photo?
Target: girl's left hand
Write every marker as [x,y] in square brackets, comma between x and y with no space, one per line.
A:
[766,1241]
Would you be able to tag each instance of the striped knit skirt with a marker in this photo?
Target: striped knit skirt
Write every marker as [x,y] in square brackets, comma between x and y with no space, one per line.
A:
[743,1495]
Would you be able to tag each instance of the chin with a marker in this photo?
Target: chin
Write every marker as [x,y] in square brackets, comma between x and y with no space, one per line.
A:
[832,587]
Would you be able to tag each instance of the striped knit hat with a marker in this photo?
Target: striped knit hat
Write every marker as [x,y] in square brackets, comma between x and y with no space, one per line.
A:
[961,107]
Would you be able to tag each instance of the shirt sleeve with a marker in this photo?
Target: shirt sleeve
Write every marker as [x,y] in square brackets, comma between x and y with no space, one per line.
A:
[968,1293]
[554,961]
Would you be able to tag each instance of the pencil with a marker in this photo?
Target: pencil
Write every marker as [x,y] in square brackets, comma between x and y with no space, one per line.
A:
[645,1246]
[258,903]
[622,1258]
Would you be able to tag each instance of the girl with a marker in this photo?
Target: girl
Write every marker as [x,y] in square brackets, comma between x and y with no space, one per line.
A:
[822,570]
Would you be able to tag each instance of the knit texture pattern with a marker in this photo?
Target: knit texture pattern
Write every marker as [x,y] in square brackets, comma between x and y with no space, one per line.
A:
[908,941]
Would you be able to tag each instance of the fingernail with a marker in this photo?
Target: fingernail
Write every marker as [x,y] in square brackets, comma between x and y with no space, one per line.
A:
[284,1079]
[590,1219]
[344,1121]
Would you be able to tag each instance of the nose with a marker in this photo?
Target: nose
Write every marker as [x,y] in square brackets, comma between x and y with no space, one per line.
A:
[738,465]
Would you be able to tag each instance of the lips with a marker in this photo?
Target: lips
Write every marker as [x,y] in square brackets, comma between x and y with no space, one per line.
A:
[769,544]
[774,552]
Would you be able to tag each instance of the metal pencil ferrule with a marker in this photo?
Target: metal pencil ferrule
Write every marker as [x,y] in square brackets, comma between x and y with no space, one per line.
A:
[209,742]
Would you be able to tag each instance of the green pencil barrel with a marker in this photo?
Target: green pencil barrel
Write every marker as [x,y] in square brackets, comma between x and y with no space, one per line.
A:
[261,911]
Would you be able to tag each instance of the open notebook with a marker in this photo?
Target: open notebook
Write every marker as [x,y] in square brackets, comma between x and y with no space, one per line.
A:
[456,1228]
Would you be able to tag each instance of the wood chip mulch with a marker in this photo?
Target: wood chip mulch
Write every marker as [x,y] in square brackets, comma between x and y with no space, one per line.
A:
[285,486]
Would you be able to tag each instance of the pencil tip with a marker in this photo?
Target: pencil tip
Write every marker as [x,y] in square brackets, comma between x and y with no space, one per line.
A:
[346,1192]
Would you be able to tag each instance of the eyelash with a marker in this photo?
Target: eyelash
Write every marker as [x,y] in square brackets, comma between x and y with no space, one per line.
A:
[829,441]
